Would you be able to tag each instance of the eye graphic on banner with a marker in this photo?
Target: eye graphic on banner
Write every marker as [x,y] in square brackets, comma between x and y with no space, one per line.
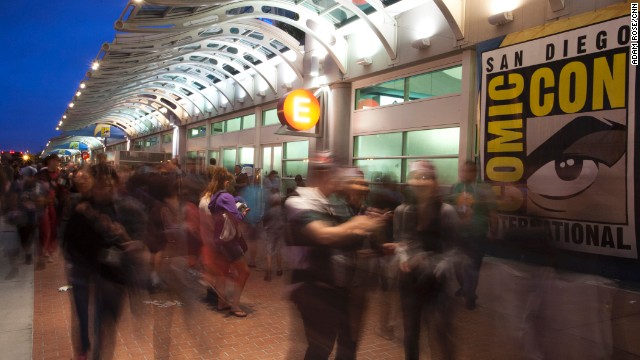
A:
[557,137]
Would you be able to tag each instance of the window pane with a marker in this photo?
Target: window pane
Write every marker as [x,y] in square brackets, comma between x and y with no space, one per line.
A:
[447,170]
[436,83]
[296,150]
[293,168]
[246,156]
[229,159]
[270,117]
[213,155]
[233,125]
[217,128]
[249,121]
[266,159]
[433,142]
[374,169]
[378,145]
[197,131]
[167,138]
[191,155]
[387,93]
[277,159]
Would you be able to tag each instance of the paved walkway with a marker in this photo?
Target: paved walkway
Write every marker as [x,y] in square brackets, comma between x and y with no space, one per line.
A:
[16,302]
[521,310]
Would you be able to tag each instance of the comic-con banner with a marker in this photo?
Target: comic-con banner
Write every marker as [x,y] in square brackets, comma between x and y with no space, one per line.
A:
[557,137]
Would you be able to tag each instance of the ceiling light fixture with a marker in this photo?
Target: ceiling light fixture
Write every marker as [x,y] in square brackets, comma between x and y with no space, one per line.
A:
[365,61]
[421,43]
[501,18]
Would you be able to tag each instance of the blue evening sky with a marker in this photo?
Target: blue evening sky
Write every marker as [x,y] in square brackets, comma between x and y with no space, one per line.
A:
[47,47]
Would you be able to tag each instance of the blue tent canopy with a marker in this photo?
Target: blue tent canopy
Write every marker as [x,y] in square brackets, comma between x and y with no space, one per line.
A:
[98,130]
[72,145]
[65,152]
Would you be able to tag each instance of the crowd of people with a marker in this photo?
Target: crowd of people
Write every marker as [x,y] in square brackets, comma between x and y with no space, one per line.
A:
[340,236]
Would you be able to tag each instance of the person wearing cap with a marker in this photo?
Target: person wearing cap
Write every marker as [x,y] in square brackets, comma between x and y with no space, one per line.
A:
[425,232]
[56,191]
[318,230]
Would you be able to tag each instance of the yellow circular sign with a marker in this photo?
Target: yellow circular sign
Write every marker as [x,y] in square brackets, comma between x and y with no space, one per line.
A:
[299,110]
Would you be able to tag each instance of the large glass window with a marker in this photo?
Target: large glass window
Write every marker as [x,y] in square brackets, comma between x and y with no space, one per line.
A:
[217,128]
[197,132]
[296,150]
[234,124]
[423,86]
[271,159]
[392,153]
[379,145]
[249,122]
[246,156]
[149,142]
[167,138]
[270,117]
[436,83]
[213,155]
[434,142]
[295,161]
[229,159]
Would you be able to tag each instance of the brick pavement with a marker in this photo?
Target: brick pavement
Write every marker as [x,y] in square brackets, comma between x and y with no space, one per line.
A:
[272,329]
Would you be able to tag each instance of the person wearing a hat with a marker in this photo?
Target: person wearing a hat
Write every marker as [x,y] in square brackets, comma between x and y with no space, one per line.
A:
[425,231]
[56,191]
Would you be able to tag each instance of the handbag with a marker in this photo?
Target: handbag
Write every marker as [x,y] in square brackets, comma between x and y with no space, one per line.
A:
[229,231]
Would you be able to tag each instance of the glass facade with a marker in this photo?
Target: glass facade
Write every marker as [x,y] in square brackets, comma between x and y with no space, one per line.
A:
[391,153]
[197,132]
[236,124]
[246,156]
[295,160]
[150,141]
[270,117]
[229,159]
[423,86]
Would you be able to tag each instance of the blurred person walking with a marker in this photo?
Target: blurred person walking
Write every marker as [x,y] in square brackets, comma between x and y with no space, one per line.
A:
[317,229]
[425,231]
[475,204]
[227,213]
[274,226]
[96,237]
[253,196]
[56,189]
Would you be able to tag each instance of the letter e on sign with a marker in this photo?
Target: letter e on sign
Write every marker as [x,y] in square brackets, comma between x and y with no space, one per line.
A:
[299,110]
